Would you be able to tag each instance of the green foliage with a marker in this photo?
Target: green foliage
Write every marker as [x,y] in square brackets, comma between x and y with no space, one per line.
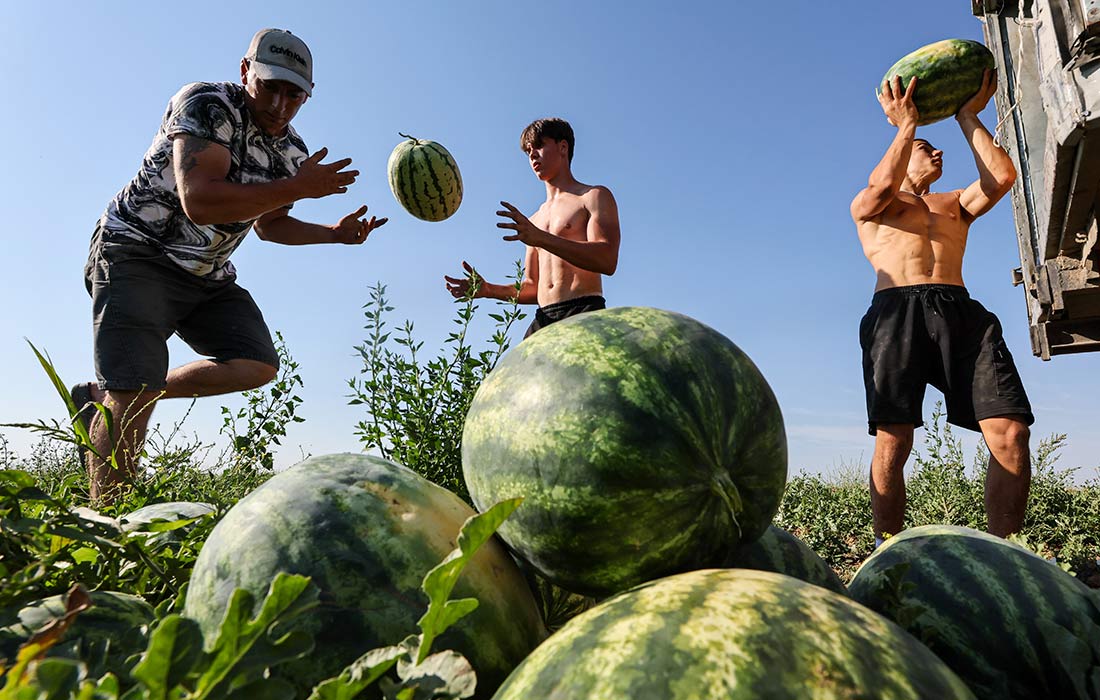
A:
[833,514]
[47,546]
[416,408]
[176,665]
[269,410]
[423,675]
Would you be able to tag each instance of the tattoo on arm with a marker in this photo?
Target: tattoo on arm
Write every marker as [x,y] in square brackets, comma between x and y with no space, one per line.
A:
[192,146]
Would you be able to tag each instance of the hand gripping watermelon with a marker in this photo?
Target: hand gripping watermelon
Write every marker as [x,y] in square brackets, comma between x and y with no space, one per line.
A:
[948,74]
[730,634]
[1008,622]
[643,442]
[424,178]
[366,531]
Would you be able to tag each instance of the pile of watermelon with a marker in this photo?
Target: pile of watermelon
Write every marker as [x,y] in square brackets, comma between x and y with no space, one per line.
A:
[650,456]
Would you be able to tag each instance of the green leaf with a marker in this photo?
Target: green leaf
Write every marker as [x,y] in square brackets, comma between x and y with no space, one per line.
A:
[231,661]
[443,676]
[440,581]
[174,652]
[362,672]
[57,679]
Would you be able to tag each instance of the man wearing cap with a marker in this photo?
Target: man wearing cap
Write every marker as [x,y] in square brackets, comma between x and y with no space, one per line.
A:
[224,160]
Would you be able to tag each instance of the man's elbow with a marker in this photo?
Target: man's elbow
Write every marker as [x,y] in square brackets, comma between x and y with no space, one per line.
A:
[609,267]
[195,211]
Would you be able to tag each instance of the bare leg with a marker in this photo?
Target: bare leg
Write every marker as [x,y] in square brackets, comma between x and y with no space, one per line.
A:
[131,411]
[1008,480]
[893,443]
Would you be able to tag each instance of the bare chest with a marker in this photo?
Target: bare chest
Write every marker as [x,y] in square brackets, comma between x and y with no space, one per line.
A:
[564,219]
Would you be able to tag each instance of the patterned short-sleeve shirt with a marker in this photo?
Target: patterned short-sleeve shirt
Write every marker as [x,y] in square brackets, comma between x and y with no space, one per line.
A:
[148,209]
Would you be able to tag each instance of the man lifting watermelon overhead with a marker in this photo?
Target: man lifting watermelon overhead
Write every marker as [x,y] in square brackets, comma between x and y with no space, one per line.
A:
[572,240]
[922,326]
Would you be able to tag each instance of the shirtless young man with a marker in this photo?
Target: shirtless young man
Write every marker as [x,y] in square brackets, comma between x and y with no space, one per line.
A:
[572,240]
[923,327]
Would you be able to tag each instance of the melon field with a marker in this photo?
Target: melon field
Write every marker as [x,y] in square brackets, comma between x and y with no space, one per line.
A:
[602,511]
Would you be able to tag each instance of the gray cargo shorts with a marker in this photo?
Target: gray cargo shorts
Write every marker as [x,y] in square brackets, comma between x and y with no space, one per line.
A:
[140,298]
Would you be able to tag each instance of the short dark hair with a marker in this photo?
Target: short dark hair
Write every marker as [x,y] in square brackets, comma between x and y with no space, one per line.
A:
[925,141]
[550,128]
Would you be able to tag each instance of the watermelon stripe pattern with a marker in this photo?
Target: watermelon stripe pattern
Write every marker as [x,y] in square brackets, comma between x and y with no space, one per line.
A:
[644,442]
[730,634]
[948,73]
[1003,618]
[366,531]
[425,179]
[781,552]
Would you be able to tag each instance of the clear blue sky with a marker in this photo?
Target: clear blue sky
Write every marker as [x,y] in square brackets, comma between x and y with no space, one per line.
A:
[733,135]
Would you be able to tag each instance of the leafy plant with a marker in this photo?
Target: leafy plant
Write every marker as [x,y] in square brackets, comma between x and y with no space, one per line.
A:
[416,408]
[263,421]
[833,514]
[237,664]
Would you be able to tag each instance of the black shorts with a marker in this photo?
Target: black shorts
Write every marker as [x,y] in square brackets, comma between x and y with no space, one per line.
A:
[552,313]
[140,298]
[936,334]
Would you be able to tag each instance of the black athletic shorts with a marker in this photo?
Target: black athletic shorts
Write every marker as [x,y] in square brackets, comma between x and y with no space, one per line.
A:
[936,334]
[551,313]
[140,298]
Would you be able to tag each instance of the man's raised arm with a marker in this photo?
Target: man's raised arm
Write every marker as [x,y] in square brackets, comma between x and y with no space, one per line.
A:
[599,252]
[208,198]
[996,173]
[885,181]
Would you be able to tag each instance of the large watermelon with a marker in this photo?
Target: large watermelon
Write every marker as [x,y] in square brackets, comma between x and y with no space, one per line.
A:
[948,74]
[781,552]
[367,531]
[725,634]
[104,636]
[644,443]
[1010,624]
[424,178]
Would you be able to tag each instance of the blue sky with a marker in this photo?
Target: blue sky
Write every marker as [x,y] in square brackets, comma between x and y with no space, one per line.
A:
[733,135]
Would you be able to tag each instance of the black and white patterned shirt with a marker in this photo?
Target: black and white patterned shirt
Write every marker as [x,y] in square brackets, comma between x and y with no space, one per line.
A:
[148,209]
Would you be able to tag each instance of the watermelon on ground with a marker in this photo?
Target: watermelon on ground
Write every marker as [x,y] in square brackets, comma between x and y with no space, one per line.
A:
[104,636]
[644,443]
[727,634]
[781,552]
[169,512]
[366,531]
[424,178]
[948,74]
[1010,623]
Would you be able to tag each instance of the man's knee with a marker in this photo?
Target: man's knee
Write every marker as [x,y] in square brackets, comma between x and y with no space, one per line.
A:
[894,435]
[254,373]
[1008,433]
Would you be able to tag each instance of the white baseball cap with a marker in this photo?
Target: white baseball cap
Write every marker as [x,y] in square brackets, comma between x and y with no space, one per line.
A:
[276,54]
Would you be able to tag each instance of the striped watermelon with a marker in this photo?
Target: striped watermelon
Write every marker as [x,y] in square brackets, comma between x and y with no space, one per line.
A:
[781,552]
[104,637]
[644,443]
[1010,624]
[366,531]
[425,179]
[948,73]
[726,634]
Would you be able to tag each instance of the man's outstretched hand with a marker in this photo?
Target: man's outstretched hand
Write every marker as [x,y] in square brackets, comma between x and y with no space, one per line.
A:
[525,231]
[898,104]
[315,179]
[460,288]
[353,230]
